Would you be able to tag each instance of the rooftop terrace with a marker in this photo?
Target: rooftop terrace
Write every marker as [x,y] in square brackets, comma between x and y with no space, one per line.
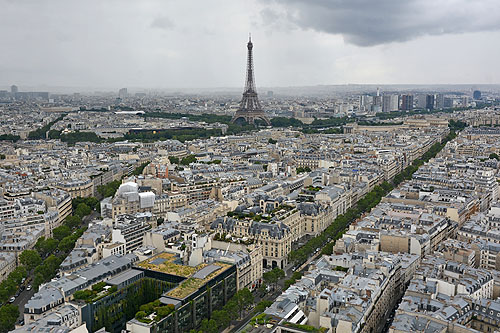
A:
[195,276]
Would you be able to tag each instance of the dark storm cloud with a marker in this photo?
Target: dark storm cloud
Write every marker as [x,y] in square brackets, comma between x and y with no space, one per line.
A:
[373,22]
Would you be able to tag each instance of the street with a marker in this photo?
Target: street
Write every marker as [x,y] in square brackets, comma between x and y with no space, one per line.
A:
[21,300]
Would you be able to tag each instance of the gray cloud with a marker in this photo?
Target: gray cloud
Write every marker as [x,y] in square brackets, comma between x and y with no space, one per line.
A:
[163,22]
[370,22]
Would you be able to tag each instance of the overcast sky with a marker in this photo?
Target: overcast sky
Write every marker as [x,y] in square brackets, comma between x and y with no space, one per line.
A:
[202,43]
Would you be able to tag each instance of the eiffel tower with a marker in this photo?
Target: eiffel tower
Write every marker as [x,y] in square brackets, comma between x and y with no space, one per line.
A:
[250,108]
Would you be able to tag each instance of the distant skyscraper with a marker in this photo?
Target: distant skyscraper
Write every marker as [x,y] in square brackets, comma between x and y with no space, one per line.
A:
[122,93]
[365,102]
[439,101]
[270,94]
[476,94]
[250,108]
[429,102]
[407,102]
[13,89]
[448,102]
[390,103]
[421,101]
[465,101]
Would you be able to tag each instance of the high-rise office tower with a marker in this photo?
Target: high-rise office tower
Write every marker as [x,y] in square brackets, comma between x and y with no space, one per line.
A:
[439,101]
[465,101]
[13,89]
[407,102]
[123,92]
[390,103]
[365,102]
[429,102]
[476,94]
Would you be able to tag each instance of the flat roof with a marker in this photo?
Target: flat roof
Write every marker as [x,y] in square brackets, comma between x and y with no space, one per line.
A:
[123,277]
[206,271]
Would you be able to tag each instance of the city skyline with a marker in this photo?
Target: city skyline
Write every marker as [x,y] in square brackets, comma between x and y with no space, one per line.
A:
[167,46]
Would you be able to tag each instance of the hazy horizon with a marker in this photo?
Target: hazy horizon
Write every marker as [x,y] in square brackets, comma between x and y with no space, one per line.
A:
[350,87]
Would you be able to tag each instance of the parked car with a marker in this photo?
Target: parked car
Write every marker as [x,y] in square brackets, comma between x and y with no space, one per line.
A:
[12,299]
[28,288]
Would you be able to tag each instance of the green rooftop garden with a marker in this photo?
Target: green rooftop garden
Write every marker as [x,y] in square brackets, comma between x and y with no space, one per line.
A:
[97,292]
[153,311]
[169,266]
[223,238]
[314,188]
[192,284]
[306,328]
[266,218]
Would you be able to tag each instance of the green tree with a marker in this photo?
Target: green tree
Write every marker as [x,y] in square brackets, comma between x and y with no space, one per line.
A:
[231,309]
[138,171]
[272,141]
[140,315]
[44,271]
[244,298]
[222,319]
[209,326]
[74,137]
[188,160]
[92,202]
[9,137]
[18,274]
[262,305]
[83,294]
[45,246]
[273,276]
[54,134]
[164,311]
[72,221]
[286,122]
[109,189]
[38,280]
[494,156]
[53,262]
[262,290]
[30,258]
[8,316]
[82,210]
[173,160]
[99,286]
[9,285]
[66,244]
[61,232]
